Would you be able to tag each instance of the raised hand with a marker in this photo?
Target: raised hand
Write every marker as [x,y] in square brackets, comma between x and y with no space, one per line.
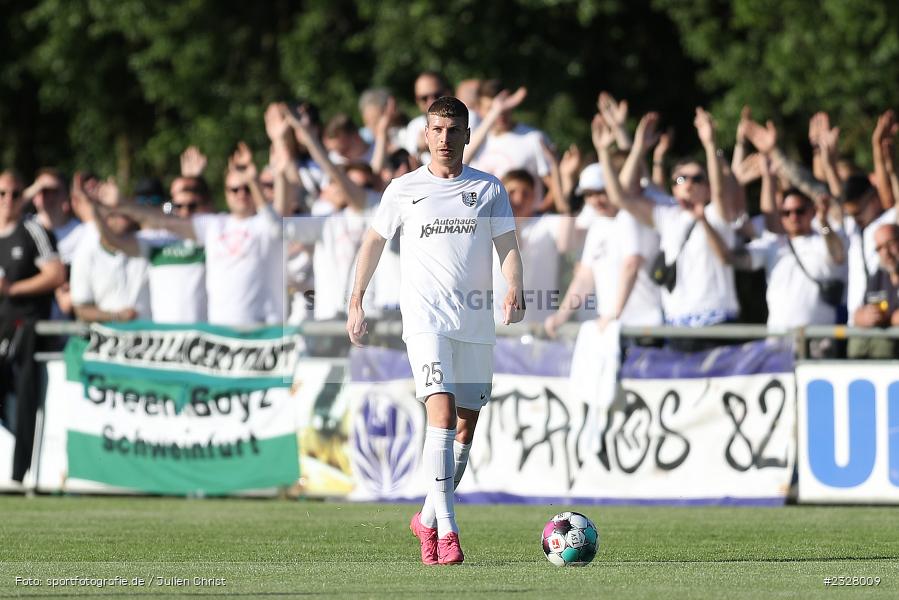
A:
[570,165]
[387,115]
[647,134]
[506,101]
[884,128]
[745,118]
[763,138]
[602,134]
[705,126]
[828,137]
[613,112]
[193,162]
[665,141]
[297,118]
[108,193]
[276,126]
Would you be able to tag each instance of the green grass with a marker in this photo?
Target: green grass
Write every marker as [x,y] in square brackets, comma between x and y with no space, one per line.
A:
[271,548]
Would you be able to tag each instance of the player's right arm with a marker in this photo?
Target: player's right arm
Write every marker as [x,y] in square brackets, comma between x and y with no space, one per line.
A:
[366,263]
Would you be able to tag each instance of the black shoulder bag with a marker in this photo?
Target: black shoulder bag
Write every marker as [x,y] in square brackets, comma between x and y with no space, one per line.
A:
[663,273]
[831,289]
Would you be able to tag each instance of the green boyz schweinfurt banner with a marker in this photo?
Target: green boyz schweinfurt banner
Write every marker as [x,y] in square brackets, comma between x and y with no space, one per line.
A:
[192,409]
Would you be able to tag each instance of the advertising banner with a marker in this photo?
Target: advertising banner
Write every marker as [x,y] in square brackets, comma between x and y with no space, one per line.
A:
[848,432]
[181,409]
[713,427]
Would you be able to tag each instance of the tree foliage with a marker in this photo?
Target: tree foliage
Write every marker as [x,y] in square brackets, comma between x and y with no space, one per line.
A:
[122,86]
[791,58]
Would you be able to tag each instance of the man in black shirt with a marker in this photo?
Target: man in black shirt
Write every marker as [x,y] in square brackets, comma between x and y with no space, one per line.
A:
[881,308]
[29,272]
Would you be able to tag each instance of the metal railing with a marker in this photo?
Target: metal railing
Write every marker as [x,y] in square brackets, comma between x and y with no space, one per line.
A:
[393,328]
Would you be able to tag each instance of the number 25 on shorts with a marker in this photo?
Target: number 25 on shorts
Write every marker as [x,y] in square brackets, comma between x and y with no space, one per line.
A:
[433,374]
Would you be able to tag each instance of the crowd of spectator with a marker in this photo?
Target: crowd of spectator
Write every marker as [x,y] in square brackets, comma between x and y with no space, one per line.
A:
[621,231]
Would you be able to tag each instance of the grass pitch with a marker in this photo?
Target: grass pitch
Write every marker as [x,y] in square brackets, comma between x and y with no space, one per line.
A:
[271,549]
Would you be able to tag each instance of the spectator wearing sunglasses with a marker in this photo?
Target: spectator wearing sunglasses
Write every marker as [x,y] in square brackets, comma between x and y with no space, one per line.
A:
[695,233]
[429,86]
[178,266]
[238,246]
[798,262]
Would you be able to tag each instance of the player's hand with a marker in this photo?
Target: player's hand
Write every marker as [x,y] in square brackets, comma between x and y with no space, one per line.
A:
[513,306]
[356,326]
[551,325]
[603,322]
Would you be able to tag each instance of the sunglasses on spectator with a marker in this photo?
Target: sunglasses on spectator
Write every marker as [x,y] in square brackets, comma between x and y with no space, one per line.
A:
[14,194]
[793,211]
[427,97]
[188,206]
[238,189]
[268,184]
[682,179]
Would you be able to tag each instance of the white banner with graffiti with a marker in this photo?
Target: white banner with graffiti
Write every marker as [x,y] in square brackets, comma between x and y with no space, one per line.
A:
[712,427]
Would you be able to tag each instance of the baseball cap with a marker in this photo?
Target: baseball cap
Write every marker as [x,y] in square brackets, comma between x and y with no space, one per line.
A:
[591,179]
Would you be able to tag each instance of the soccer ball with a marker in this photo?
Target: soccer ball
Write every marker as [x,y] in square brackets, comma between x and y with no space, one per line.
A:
[570,540]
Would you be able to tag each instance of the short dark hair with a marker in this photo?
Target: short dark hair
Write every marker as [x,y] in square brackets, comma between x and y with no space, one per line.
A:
[856,187]
[795,191]
[14,175]
[519,175]
[441,80]
[55,174]
[489,88]
[450,108]
[197,185]
[341,123]
[398,158]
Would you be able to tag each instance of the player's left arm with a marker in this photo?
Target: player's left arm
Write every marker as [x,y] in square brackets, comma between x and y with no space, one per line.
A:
[506,245]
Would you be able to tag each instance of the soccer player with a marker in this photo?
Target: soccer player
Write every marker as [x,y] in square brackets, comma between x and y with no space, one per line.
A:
[450,217]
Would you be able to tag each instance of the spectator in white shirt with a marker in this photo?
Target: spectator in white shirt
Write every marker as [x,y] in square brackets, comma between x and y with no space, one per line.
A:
[614,262]
[501,144]
[107,282]
[800,264]
[695,233]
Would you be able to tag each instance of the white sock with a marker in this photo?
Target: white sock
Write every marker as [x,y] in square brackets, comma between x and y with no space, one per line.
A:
[438,459]
[428,517]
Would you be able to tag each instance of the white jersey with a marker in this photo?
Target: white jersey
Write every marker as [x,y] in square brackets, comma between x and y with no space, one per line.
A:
[705,292]
[177,280]
[538,243]
[609,242]
[238,255]
[446,250]
[110,280]
[794,300]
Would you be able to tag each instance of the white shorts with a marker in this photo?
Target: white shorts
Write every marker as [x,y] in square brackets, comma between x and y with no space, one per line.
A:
[444,365]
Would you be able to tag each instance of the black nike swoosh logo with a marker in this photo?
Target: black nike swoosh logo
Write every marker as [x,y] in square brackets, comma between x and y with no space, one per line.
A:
[419,200]
[483,396]
[444,479]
